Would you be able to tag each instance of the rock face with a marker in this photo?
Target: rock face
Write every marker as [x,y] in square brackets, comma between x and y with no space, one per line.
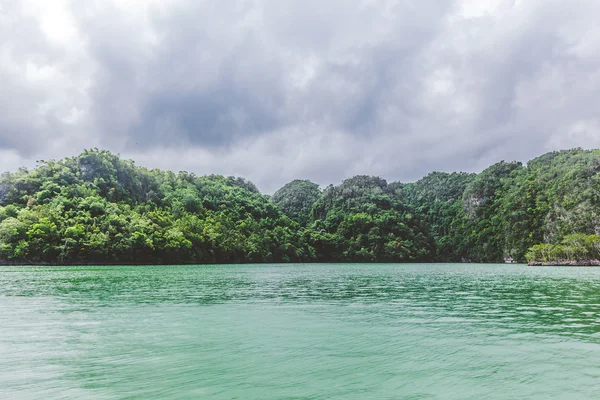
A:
[566,263]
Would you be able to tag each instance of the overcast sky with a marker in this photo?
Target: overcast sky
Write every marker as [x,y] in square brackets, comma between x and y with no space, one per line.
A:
[274,90]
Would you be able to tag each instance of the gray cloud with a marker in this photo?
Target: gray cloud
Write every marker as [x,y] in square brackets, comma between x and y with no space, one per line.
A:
[277,90]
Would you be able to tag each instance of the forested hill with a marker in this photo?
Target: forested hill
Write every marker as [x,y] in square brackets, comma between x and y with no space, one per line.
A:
[99,208]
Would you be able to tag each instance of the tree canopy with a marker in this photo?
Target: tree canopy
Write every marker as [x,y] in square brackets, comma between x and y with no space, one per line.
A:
[296,199]
[99,208]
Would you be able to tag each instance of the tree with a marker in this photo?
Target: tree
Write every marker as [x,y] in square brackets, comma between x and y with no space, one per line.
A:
[296,199]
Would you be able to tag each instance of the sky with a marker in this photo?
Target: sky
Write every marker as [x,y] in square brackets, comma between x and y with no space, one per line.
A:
[275,90]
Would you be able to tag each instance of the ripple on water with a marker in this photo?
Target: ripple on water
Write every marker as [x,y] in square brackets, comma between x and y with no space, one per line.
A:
[300,331]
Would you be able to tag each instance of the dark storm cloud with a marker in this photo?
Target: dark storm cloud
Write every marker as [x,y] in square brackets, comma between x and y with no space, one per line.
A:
[205,119]
[248,52]
[276,90]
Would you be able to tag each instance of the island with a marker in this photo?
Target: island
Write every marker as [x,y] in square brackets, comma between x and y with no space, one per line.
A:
[97,208]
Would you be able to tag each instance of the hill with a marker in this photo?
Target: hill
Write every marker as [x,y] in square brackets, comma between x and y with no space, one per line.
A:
[99,208]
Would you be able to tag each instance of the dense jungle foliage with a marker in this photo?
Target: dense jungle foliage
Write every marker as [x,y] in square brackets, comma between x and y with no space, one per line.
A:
[576,246]
[99,208]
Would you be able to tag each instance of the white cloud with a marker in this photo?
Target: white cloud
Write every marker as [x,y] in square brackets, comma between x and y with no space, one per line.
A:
[300,89]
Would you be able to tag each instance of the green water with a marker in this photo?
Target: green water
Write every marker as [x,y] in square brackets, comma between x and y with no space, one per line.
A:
[324,331]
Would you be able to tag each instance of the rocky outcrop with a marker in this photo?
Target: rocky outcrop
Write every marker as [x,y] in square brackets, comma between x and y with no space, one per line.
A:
[566,263]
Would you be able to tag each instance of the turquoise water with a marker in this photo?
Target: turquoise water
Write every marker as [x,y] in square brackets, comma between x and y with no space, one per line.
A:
[320,331]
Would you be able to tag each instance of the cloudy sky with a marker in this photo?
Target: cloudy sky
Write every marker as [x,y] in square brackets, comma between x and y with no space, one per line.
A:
[274,90]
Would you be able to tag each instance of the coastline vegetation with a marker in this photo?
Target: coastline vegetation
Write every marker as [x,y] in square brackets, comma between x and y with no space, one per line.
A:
[574,249]
[97,208]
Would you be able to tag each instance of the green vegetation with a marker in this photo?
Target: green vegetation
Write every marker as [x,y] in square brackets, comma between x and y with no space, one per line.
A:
[101,209]
[363,220]
[98,208]
[574,247]
[296,199]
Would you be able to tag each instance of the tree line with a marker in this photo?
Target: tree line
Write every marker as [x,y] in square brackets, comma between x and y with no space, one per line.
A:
[100,208]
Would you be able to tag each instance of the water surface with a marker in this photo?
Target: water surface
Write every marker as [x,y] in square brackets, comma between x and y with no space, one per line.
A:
[319,331]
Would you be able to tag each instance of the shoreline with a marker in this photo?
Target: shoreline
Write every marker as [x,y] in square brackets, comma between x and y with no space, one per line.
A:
[105,264]
[565,263]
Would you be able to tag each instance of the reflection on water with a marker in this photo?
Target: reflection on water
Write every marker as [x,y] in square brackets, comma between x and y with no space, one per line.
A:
[300,331]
